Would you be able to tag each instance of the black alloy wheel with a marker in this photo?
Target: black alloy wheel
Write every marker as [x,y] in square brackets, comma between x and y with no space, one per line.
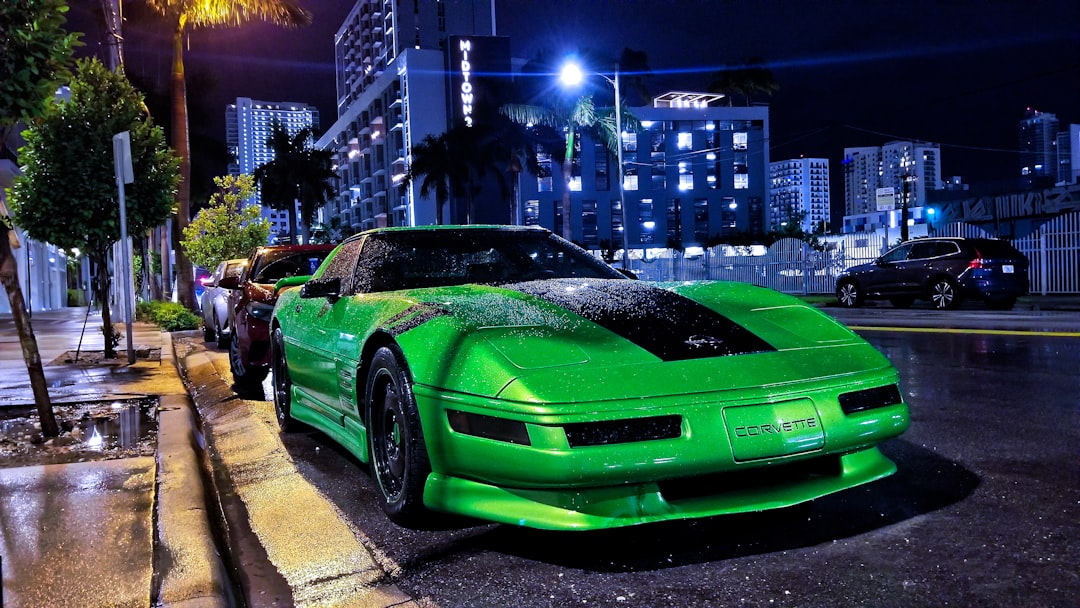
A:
[282,383]
[943,294]
[848,294]
[399,457]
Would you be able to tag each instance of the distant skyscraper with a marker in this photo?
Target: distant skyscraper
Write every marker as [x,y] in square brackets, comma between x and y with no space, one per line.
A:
[910,168]
[248,125]
[799,185]
[1038,147]
[405,70]
[1068,153]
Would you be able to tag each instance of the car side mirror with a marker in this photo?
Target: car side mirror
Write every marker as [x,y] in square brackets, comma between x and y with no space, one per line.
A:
[229,282]
[321,288]
[288,282]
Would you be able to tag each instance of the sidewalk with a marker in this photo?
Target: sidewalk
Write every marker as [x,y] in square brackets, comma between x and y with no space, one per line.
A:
[84,534]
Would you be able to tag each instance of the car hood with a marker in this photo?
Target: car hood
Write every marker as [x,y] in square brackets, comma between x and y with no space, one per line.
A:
[570,339]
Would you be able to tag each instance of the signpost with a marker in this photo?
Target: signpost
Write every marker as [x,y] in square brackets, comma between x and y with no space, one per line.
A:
[125,175]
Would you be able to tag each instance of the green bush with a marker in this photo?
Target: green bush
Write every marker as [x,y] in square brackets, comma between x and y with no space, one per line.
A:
[169,316]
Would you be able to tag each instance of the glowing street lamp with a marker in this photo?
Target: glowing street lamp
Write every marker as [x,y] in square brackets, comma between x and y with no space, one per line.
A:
[572,76]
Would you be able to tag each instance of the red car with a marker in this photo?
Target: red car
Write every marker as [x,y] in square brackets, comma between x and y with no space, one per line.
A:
[251,302]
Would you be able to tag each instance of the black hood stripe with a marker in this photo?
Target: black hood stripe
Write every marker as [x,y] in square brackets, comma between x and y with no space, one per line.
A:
[668,325]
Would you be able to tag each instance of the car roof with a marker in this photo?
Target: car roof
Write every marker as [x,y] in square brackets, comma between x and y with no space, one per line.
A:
[453,228]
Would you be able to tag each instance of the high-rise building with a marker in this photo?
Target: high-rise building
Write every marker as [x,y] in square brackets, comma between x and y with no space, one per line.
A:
[1068,154]
[799,186]
[694,174]
[248,125]
[405,70]
[905,171]
[1038,147]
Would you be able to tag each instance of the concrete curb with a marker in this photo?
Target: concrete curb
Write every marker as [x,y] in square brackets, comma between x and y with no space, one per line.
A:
[189,570]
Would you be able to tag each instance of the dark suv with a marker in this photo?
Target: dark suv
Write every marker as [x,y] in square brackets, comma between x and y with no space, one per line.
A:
[251,302]
[941,270]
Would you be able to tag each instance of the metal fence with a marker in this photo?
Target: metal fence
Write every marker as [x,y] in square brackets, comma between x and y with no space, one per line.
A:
[791,266]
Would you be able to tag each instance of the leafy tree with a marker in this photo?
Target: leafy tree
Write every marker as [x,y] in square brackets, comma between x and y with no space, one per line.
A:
[35,54]
[298,172]
[183,16]
[227,228]
[81,188]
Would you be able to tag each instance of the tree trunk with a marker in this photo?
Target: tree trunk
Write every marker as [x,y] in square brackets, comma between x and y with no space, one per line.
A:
[10,278]
[102,282]
[185,274]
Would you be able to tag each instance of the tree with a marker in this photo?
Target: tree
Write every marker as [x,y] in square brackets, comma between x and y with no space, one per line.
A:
[746,80]
[298,172]
[68,160]
[35,52]
[582,116]
[227,228]
[454,164]
[182,16]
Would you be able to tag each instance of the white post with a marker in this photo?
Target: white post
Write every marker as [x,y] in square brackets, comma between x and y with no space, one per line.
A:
[125,175]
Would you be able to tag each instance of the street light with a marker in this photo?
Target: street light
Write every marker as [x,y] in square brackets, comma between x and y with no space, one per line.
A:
[572,76]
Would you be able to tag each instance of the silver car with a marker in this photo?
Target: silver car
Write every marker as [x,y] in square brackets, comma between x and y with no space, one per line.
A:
[215,302]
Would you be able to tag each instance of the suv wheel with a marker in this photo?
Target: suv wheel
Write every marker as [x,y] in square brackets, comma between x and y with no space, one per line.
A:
[848,294]
[244,376]
[943,294]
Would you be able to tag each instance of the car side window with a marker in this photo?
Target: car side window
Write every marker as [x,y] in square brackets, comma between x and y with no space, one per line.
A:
[342,266]
[897,255]
[922,251]
[943,248]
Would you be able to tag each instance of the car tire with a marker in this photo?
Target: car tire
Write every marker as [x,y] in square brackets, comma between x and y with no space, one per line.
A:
[1001,303]
[208,333]
[244,377]
[848,294]
[399,459]
[943,294]
[902,302]
[282,383]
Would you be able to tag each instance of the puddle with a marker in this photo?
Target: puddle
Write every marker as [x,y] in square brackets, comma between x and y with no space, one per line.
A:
[98,430]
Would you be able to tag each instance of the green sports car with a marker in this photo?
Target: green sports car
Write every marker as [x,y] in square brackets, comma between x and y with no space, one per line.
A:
[505,374]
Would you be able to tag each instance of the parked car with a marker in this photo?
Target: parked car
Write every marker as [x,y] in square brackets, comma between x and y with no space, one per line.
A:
[941,270]
[251,300]
[505,374]
[214,302]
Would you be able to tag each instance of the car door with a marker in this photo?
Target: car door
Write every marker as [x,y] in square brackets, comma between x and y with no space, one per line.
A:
[915,271]
[888,272]
[314,359]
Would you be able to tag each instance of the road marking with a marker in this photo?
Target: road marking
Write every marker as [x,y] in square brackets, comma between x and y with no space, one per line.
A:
[946,330]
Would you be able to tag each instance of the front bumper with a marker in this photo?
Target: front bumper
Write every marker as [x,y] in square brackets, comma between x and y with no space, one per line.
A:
[749,451]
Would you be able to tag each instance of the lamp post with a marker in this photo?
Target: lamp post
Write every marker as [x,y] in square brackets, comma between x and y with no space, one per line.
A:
[572,76]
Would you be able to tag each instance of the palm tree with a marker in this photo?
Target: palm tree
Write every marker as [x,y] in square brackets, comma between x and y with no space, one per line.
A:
[183,16]
[298,172]
[445,169]
[746,80]
[582,116]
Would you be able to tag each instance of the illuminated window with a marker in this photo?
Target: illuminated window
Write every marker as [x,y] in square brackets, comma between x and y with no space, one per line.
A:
[645,220]
[685,141]
[701,220]
[738,141]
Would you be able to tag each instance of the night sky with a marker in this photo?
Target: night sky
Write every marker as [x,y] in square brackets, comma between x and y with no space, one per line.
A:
[850,73]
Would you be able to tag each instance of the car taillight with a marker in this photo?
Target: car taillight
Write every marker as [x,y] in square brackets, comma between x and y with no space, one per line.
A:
[977,262]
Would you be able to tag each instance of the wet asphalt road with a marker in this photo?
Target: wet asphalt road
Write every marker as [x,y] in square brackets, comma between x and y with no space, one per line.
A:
[984,511]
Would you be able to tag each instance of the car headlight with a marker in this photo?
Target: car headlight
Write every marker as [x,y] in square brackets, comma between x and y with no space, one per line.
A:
[260,311]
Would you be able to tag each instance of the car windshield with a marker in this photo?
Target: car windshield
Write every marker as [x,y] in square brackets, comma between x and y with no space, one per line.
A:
[414,259]
[281,264]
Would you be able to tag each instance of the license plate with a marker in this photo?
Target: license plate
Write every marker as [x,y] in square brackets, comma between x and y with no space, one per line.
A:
[1007,268]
